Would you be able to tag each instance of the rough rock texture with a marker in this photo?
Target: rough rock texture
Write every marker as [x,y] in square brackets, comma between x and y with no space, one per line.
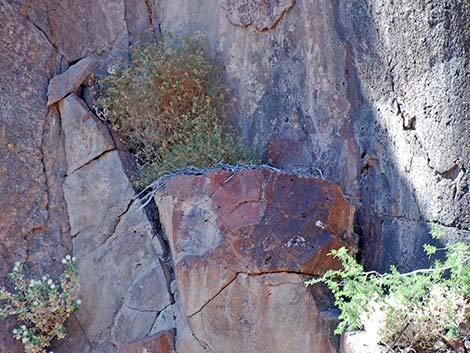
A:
[87,138]
[159,343]
[263,15]
[37,40]
[242,247]
[32,212]
[371,93]
[119,253]
[374,94]
[69,81]
[413,64]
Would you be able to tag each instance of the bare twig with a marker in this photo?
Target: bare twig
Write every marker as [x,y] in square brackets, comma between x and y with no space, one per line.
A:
[149,191]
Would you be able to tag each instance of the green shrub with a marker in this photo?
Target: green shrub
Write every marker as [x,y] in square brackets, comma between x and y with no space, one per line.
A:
[425,310]
[168,106]
[41,306]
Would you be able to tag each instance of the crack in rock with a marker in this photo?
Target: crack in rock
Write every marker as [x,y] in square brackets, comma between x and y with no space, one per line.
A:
[94,159]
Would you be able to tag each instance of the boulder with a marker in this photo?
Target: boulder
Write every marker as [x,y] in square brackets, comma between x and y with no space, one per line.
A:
[243,244]
[69,81]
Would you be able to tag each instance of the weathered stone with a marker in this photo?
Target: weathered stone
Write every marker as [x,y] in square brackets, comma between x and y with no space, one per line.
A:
[69,81]
[265,313]
[373,94]
[97,196]
[159,343]
[31,204]
[113,239]
[148,296]
[334,86]
[252,231]
[79,29]
[86,138]
[258,221]
[110,269]
[263,14]
[410,70]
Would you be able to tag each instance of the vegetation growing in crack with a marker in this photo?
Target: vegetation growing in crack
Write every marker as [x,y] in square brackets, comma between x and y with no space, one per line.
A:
[167,105]
[424,311]
[41,306]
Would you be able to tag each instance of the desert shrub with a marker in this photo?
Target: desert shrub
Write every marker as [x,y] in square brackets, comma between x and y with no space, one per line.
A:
[41,306]
[168,106]
[426,310]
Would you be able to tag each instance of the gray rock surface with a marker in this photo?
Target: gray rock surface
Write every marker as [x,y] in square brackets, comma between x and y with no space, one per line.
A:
[147,298]
[86,137]
[263,15]
[69,81]
[117,247]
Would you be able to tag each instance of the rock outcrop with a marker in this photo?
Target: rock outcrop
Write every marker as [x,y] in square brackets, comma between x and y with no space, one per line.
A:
[372,95]
[243,244]
[126,286]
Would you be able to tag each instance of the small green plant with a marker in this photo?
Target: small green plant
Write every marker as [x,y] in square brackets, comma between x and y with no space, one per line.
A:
[426,310]
[167,105]
[41,306]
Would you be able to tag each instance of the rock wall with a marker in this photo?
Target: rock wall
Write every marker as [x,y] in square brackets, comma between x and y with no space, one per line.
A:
[63,180]
[372,95]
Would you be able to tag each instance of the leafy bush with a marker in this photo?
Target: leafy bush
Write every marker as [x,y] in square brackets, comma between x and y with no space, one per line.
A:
[168,106]
[42,305]
[425,310]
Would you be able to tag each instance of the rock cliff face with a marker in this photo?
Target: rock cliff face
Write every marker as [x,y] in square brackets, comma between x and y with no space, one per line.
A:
[372,94]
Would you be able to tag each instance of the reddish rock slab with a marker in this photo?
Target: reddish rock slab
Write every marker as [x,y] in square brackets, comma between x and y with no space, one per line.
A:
[243,244]
[162,342]
[258,220]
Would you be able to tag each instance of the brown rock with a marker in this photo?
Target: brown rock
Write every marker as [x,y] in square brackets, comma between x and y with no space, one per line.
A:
[79,29]
[243,245]
[31,202]
[267,313]
[259,221]
[161,342]
[69,81]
